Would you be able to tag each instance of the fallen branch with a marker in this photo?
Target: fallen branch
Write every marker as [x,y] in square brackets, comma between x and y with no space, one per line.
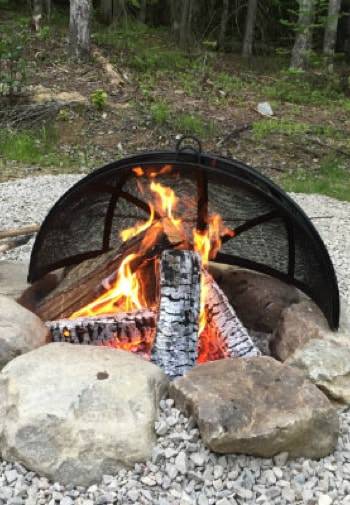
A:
[332,148]
[23,230]
[235,133]
[12,244]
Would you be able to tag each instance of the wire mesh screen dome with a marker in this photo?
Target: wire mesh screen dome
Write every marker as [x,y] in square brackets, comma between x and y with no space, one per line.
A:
[272,234]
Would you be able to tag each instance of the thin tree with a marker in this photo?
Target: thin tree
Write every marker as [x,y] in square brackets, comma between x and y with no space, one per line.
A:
[106,7]
[79,27]
[331,29]
[143,11]
[37,14]
[185,35]
[304,30]
[248,40]
[223,24]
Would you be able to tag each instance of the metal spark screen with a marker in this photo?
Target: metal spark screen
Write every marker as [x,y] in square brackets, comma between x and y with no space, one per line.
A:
[272,234]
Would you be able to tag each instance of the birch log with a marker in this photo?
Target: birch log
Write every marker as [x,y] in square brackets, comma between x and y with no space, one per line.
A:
[175,346]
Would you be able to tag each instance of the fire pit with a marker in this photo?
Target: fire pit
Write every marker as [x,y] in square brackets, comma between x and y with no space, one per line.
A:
[135,238]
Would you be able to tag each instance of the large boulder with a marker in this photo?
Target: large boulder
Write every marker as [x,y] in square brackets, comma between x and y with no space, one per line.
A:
[326,363]
[21,331]
[298,324]
[257,406]
[74,413]
[258,299]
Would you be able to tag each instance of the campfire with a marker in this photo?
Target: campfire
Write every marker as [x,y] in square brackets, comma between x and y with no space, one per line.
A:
[159,300]
[137,239]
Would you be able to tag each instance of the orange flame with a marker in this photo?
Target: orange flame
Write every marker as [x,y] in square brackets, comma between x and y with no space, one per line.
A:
[125,294]
[208,243]
[138,228]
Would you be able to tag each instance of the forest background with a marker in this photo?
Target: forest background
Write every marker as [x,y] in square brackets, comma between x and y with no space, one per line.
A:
[83,83]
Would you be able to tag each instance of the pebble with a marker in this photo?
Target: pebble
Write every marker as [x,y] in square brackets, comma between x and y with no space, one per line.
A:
[181,462]
[324,499]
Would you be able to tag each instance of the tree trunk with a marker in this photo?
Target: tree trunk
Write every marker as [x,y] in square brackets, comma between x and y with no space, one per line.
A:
[143,11]
[37,12]
[185,36]
[106,7]
[249,29]
[223,24]
[79,27]
[48,8]
[303,40]
[331,29]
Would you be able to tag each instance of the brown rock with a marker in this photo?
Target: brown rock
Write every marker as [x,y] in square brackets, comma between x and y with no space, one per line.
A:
[257,406]
[257,299]
[298,324]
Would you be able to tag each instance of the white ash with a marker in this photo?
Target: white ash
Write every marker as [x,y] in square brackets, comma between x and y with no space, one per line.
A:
[182,471]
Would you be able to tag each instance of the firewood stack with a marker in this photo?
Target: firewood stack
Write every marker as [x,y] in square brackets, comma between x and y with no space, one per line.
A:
[167,331]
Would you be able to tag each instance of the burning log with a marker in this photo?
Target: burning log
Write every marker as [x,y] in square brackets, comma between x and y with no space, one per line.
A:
[129,331]
[223,328]
[85,282]
[175,346]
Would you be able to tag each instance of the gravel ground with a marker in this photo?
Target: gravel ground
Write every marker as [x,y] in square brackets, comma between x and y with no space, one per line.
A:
[182,471]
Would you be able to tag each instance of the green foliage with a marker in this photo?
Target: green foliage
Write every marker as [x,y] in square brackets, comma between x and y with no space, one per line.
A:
[196,125]
[44,33]
[295,86]
[333,179]
[160,113]
[38,147]
[228,83]
[265,127]
[158,59]
[99,99]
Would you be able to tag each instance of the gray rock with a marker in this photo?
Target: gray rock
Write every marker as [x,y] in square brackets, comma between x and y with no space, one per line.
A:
[257,406]
[298,324]
[13,278]
[326,363]
[258,299]
[62,410]
[20,330]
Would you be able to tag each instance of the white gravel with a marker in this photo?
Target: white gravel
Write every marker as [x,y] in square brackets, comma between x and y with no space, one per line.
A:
[182,471]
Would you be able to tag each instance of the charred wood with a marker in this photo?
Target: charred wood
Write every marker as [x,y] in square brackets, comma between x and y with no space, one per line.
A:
[224,329]
[175,347]
[132,331]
